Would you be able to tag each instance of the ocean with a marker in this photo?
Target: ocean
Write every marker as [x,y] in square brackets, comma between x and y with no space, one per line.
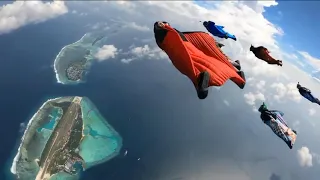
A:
[153,107]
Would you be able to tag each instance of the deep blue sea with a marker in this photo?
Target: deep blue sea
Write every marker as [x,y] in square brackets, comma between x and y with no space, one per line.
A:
[165,115]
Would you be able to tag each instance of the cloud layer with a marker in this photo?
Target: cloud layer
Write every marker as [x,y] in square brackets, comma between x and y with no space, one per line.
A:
[106,52]
[304,157]
[21,13]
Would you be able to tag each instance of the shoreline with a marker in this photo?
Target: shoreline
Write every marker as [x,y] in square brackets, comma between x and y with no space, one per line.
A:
[114,148]
[117,136]
[17,156]
[59,80]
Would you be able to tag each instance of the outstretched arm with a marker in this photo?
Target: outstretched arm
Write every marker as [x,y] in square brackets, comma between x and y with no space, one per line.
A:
[266,49]
[306,89]
[220,26]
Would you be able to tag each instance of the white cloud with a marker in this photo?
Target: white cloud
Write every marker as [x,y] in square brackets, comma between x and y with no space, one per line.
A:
[304,157]
[226,102]
[284,92]
[251,98]
[312,111]
[135,26]
[261,84]
[143,52]
[315,62]
[258,6]
[21,13]
[99,25]
[106,52]
[244,19]
[295,125]
[22,127]
[250,79]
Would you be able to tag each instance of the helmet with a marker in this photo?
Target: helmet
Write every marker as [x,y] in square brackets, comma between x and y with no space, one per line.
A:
[205,23]
[159,23]
[263,107]
[298,85]
[166,23]
[251,48]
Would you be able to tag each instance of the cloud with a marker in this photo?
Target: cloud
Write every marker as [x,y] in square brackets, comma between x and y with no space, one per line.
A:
[260,85]
[143,52]
[251,98]
[304,157]
[259,6]
[315,62]
[244,19]
[21,13]
[135,26]
[99,25]
[226,102]
[106,52]
[284,92]
[22,127]
[312,111]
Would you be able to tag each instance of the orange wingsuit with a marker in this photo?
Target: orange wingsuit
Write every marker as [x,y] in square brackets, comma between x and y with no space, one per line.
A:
[193,53]
[263,54]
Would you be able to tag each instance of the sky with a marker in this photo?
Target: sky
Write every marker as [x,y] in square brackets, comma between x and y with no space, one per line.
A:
[259,153]
[297,26]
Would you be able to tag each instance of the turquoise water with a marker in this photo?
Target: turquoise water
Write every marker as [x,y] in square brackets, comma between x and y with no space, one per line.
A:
[63,176]
[55,115]
[78,166]
[100,142]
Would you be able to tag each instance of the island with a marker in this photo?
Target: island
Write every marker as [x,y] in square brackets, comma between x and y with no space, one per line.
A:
[66,136]
[73,62]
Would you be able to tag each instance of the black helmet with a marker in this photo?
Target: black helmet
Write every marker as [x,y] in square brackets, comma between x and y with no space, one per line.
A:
[164,22]
[263,107]
[298,85]
[251,47]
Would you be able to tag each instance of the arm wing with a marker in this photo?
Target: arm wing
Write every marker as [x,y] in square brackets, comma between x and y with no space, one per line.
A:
[276,111]
[221,27]
[207,44]
[306,89]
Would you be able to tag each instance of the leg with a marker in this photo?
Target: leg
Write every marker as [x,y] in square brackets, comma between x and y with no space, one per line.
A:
[241,74]
[317,101]
[236,64]
[203,84]
[289,144]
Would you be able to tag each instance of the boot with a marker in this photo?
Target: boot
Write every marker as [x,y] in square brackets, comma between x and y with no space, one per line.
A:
[203,84]
[241,74]
[237,65]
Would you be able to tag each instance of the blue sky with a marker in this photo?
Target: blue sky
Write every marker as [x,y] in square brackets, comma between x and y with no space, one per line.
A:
[299,23]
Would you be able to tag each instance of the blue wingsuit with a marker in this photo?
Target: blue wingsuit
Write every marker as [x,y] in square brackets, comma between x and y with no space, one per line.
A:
[306,93]
[218,30]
